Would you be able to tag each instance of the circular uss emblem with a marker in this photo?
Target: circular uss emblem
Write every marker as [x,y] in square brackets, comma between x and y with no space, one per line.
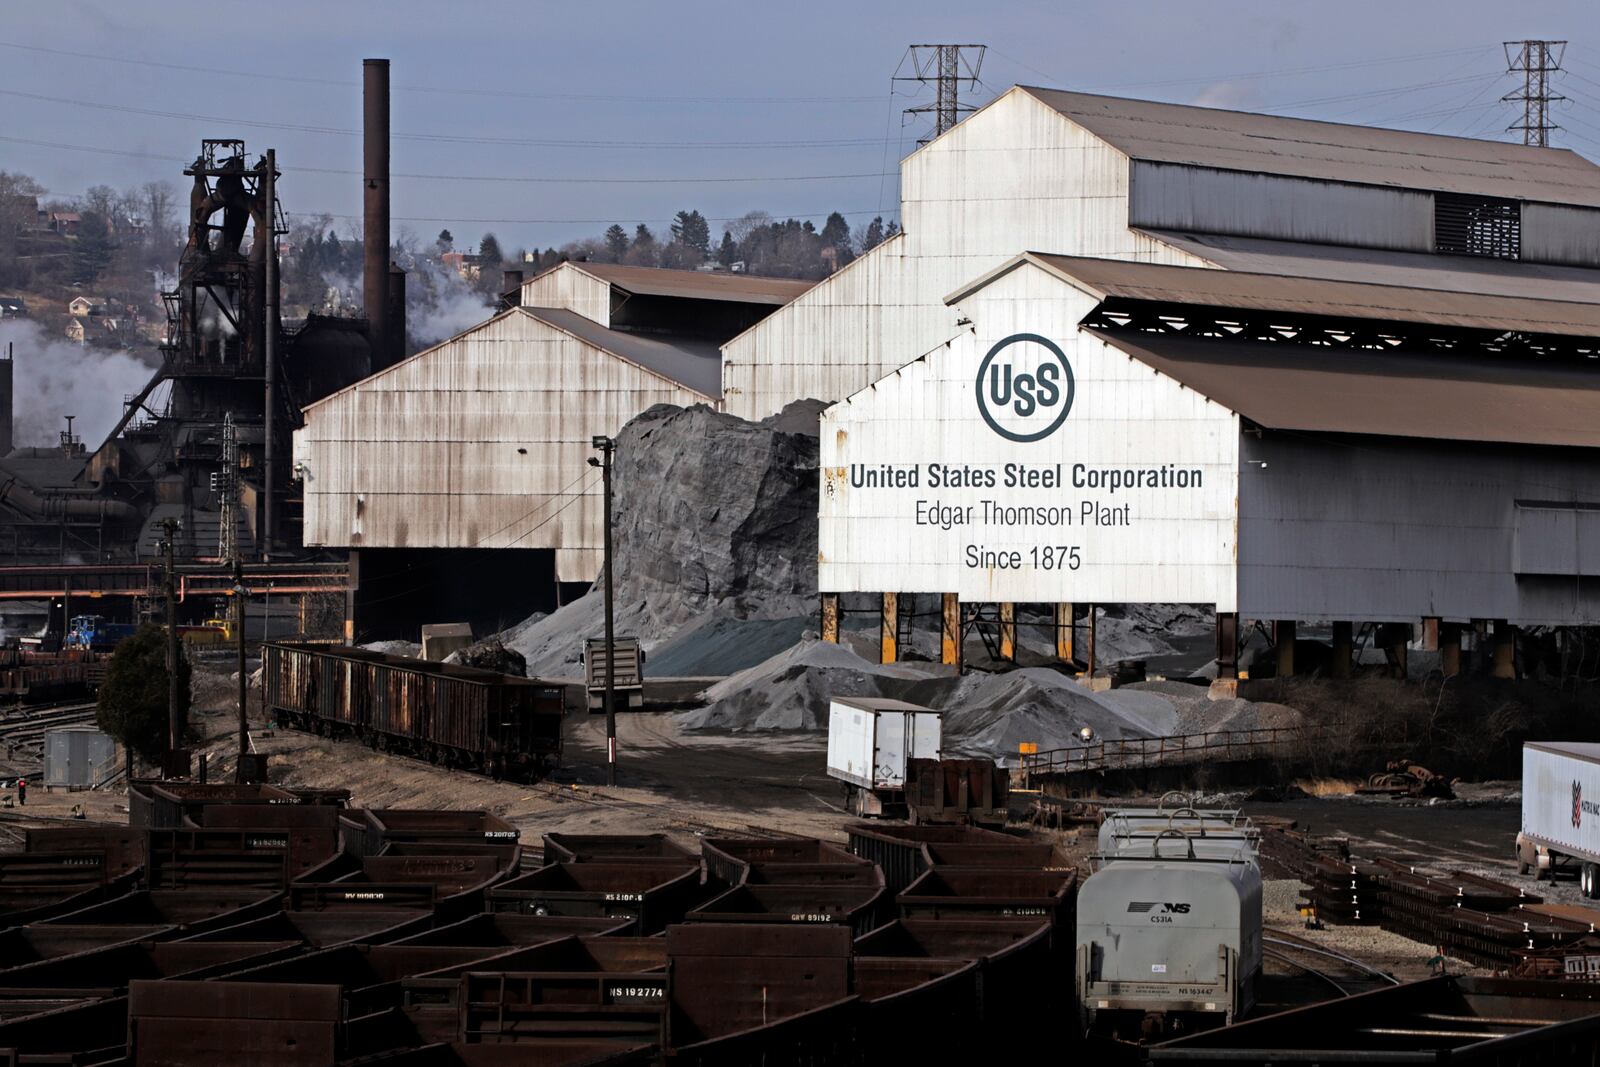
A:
[1025,387]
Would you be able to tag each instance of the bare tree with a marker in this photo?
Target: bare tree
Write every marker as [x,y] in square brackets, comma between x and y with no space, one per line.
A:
[746,224]
[156,198]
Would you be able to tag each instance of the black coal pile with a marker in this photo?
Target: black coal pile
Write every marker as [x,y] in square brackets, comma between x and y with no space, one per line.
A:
[491,654]
[716,512]
[716,526]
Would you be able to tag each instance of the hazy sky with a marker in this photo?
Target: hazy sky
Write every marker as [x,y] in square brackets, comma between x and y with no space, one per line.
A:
[627,95]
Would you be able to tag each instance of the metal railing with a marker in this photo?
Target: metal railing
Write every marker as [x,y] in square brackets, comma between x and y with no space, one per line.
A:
[1133,753]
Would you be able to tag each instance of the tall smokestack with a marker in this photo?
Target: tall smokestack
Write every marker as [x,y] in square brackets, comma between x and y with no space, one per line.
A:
[5,402]
[397,314]
[375,215]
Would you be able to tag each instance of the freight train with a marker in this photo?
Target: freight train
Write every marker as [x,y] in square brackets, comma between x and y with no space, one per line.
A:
[455,716]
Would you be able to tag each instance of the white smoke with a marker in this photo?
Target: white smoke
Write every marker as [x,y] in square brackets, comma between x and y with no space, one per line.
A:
[440,304]
[52,379]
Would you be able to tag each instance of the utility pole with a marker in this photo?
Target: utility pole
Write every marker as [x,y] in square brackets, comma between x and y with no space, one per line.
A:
[607,446]
[945,66]
[244,682]
[169,532]
[269,421]
[1535,61]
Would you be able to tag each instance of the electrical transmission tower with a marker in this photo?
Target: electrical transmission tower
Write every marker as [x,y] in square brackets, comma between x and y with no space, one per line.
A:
[1535,61]
[945,66]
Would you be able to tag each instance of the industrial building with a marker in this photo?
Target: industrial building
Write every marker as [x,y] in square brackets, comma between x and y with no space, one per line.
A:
[1083,175]
[441,463]
[1380,409]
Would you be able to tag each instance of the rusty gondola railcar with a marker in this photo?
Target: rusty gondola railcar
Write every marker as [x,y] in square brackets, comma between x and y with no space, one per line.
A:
[457,716]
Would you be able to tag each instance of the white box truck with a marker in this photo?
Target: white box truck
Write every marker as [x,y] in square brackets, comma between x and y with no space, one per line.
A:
[1561,810]
[870,742]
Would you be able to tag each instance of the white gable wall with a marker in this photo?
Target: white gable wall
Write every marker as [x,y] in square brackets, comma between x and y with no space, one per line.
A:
[1015,176]
[1153,544]
[567,286]
[481,441]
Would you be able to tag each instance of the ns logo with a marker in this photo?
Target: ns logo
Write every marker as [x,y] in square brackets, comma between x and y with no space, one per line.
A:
[1025,387]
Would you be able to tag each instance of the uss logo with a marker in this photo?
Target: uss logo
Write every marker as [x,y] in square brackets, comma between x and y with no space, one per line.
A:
[1025,387]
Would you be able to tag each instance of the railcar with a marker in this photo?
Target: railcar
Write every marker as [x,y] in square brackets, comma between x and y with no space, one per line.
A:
[463,717]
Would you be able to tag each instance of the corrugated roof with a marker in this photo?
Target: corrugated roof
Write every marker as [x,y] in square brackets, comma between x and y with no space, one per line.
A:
[1393,393]
[1304,148]
[696,365]
[1204,286]
[697,284]
[1462,274]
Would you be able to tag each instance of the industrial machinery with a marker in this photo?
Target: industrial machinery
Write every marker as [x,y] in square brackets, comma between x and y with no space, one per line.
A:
[871,740]
[1561,810]
[457,716]
[627,677]
[1169,935]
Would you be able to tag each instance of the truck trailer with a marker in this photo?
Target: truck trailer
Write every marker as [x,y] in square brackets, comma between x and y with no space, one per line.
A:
[1561,810]
[871,742]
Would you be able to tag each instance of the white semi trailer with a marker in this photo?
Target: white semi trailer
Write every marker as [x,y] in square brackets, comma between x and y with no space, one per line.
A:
[871,741]
[1561,810]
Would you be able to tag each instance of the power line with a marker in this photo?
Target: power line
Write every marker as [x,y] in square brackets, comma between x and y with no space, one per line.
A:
[503,178]
[445,138]
[453,91]
[1249,75]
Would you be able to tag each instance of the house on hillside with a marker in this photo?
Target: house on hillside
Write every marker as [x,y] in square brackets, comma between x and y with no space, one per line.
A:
[467,265]
[80,306]
[12,307]
[65,223]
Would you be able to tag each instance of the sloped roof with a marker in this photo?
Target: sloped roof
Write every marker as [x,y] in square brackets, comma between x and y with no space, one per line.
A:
[695,365]
[1421,270]
[696,284]
[1203,286]
[1305,148]
[1394,393]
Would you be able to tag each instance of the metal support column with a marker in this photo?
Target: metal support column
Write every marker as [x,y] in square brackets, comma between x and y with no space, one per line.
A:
[1450,649]
[1344,647]
[1504,664]
[889,629]
[1088,640]
[950,630]
[830,618]
[1227,644]
[1064,631]
[1283,646]
[1430,633]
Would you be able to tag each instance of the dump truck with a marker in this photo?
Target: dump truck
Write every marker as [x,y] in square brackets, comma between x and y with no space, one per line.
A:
[1561,811]
[628,677]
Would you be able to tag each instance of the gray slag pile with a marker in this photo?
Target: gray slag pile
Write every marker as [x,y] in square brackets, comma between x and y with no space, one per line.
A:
[715,525]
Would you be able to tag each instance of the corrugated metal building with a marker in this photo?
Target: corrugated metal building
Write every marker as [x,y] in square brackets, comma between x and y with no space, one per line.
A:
[1098,176]
[1293,370]
[481,443]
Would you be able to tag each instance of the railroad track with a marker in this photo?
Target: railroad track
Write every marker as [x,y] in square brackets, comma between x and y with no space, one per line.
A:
[1345,974]
[25,730]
